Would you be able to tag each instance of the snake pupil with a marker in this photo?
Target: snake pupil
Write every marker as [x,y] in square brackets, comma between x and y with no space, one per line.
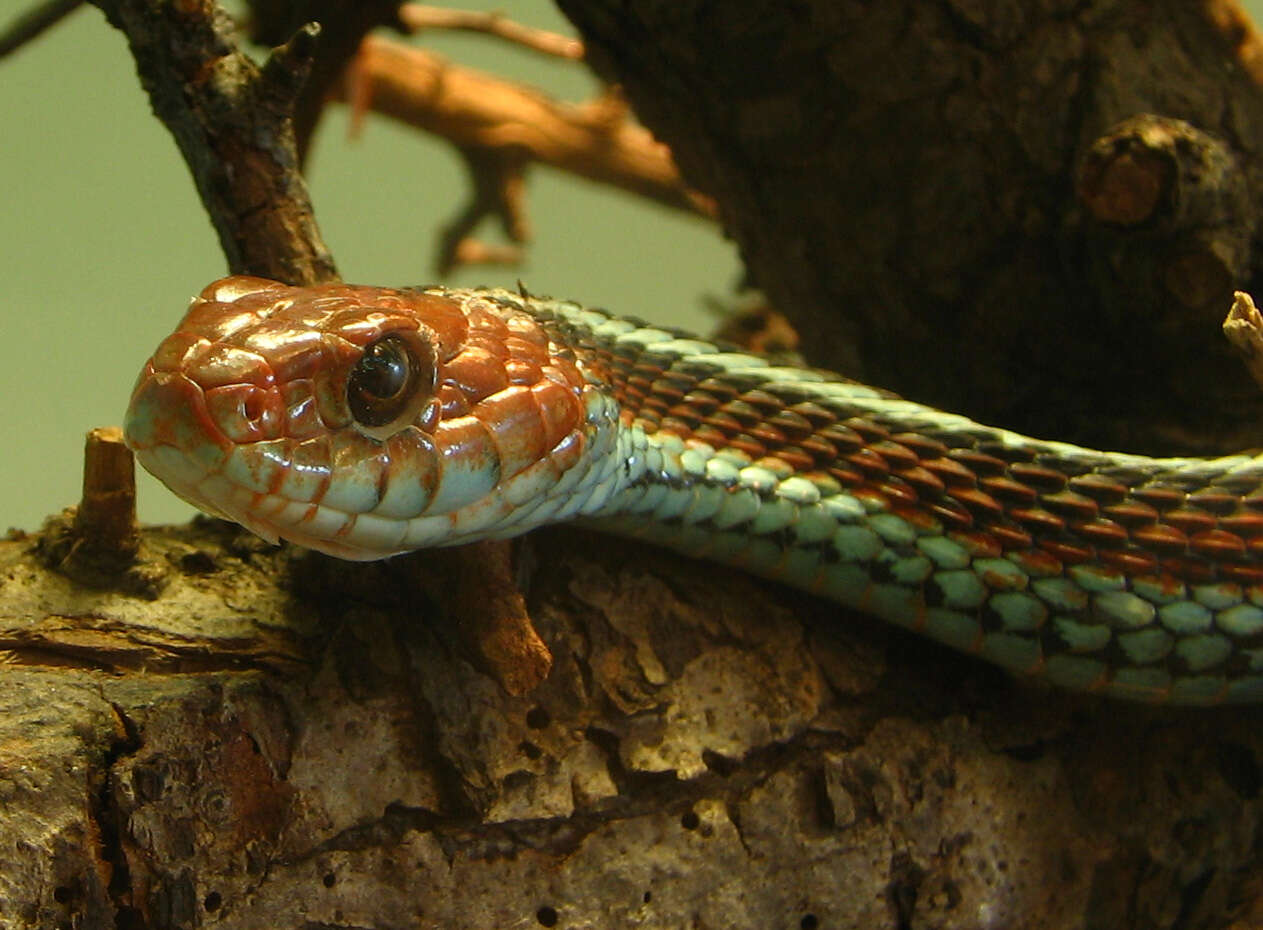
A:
[382,382]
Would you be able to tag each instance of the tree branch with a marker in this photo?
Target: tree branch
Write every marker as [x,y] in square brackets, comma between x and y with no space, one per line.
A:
[417,17]
[343,27]
[33,22]
[232,123]
[475,110]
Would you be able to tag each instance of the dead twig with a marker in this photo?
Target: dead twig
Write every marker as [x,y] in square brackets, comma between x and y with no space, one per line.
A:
[479,112]
[342,27]
[417,17]
[33,22]
[499,190]
[1244,328]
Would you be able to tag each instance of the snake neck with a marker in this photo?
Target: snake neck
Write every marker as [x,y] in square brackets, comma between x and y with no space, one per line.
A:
[1109,572]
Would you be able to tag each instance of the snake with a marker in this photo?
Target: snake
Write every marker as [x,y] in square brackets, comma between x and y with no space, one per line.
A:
[365,422]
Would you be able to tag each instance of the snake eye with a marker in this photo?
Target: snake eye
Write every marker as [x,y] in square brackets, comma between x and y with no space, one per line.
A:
[390,383]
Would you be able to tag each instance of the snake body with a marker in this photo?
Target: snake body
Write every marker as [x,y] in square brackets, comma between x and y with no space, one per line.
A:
[365,422]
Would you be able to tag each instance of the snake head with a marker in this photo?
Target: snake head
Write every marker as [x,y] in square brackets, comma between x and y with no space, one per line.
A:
[359,421]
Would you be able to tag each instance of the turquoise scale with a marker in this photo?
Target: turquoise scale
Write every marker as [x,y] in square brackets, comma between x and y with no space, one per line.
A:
[1089,626]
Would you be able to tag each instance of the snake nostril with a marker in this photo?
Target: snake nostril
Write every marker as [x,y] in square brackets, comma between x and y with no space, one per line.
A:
[253,406]
[244,412]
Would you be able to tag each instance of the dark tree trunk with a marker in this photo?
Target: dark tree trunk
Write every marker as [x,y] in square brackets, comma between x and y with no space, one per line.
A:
[904,180]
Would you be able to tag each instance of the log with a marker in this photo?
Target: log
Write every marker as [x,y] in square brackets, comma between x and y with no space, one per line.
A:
[269,737]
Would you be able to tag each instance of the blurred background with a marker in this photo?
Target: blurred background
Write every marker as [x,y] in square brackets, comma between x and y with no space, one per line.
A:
[103,241]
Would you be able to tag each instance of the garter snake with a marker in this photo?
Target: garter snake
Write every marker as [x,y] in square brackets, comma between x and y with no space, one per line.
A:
[366,422]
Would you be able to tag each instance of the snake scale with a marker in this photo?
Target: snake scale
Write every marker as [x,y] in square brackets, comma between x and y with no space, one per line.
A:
[366,422]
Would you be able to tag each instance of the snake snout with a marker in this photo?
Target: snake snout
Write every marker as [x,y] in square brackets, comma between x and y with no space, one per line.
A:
[169,428]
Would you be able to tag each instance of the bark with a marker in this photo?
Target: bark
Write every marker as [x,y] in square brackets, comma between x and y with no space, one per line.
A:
[216,732]
[272,738]
[232,123]
[904,180]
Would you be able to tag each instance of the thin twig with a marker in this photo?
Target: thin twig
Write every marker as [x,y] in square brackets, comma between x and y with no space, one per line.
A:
[342,27]
[473,109]
[499,190]
[33,22]
[417,17]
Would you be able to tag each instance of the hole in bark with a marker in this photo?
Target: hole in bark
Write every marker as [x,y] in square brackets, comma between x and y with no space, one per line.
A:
[212,901]
[537,718]
[1238,767]
[1191,898]
[197,563]
[62,894]
[1031,752]
[809,922]
[530,750]
[328,879]
[717,763]
[129,918]
[690,820]
[518,779]
[546,916]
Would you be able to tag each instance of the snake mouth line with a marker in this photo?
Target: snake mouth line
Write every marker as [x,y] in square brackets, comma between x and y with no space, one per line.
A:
[273,517]
[175,438]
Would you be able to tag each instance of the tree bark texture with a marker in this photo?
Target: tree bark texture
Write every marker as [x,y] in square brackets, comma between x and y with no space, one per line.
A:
[1023,211]
[904,180]
[270,738]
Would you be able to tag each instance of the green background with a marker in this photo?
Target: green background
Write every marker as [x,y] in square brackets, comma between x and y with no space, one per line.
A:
[102,239]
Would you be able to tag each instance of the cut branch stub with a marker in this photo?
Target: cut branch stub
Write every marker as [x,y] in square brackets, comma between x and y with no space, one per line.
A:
[1161,169]
[97,544]
[1244,328]
[1121,186]
[106,518]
